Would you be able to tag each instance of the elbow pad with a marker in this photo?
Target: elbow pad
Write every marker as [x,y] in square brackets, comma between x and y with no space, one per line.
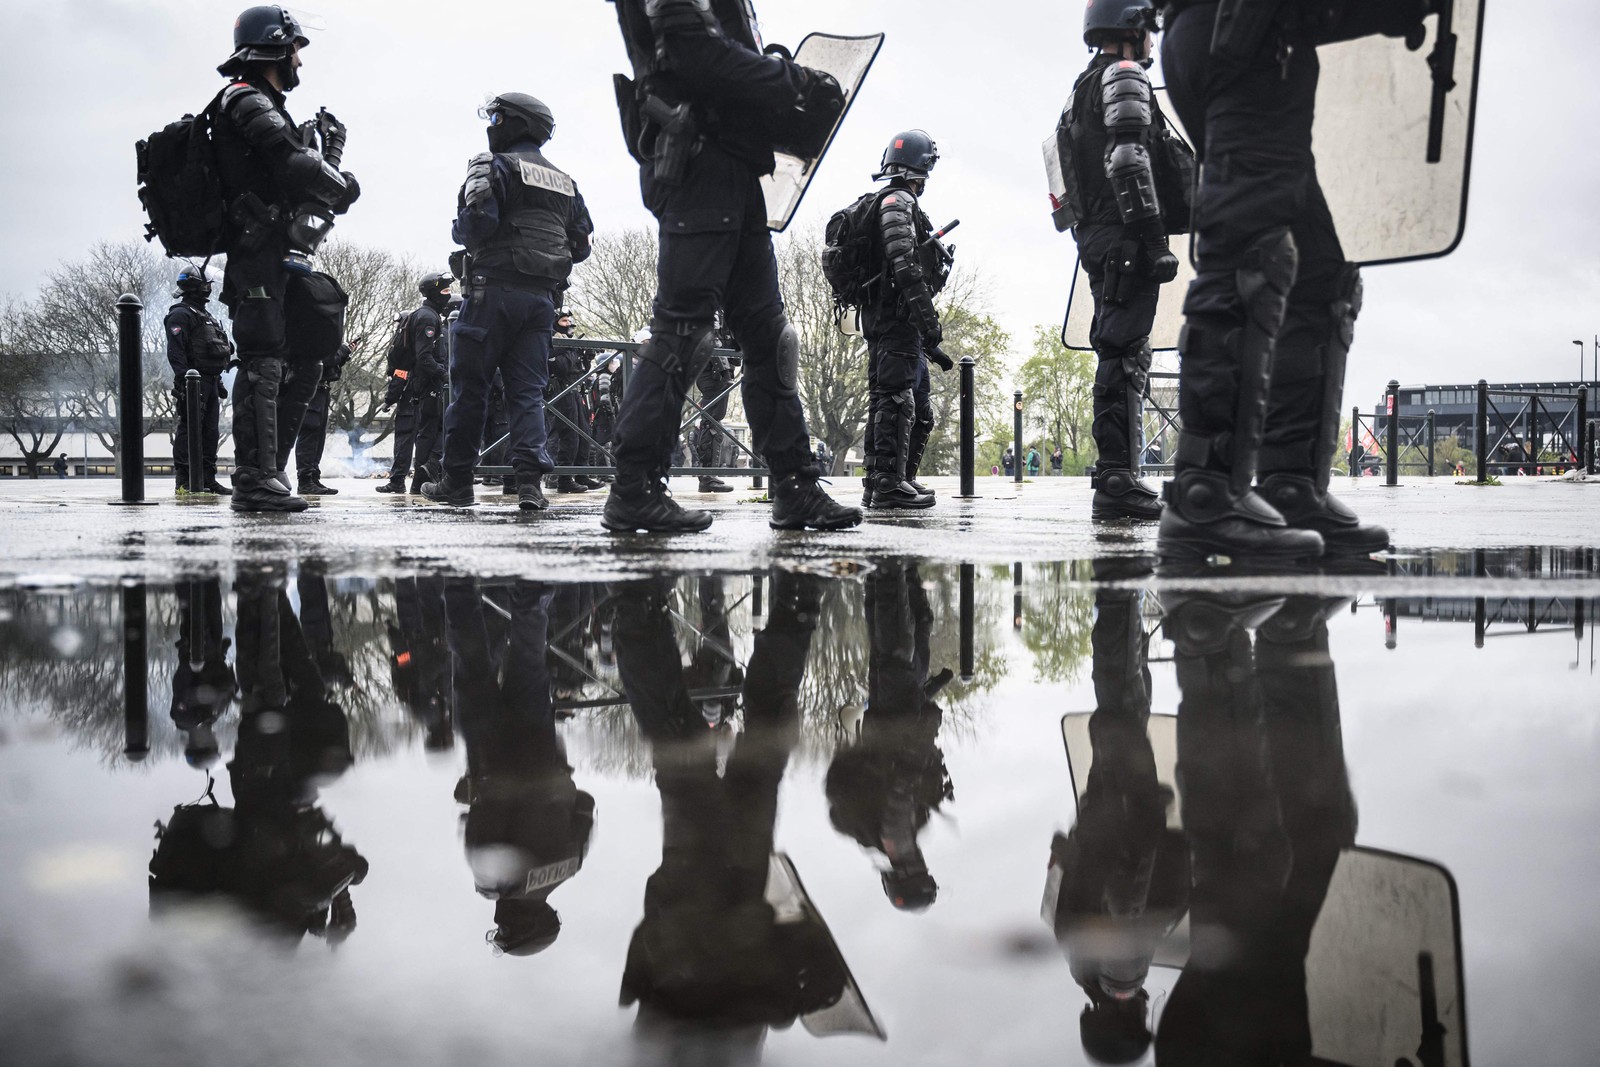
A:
[259,123]
[1133,181]
[682,16]
[310,176]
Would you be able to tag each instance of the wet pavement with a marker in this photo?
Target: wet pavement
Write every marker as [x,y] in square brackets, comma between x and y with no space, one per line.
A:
[378,785]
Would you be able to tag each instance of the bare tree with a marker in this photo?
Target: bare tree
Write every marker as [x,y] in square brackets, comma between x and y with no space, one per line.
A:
[613,289]
[833,366]
[381,286]
[32,411]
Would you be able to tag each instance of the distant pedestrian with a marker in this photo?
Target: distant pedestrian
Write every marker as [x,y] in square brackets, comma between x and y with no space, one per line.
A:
[60,465]
[1009,461]
[1056,460]
[1033,462]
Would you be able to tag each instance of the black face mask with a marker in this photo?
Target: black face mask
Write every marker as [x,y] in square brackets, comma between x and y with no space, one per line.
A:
[289,73]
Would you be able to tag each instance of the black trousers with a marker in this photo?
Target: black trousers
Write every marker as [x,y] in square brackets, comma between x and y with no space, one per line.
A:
[1119,333]
[1252,129]
[564,417]
[253,288]
[506,330]
[715,253]
[712,385]
[419,431]
[210,429]
[313,436]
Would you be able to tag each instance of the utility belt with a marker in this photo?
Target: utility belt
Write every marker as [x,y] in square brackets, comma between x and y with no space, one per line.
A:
[522,283]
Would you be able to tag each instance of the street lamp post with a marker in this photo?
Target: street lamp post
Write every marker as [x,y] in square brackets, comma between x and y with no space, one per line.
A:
[1580,361]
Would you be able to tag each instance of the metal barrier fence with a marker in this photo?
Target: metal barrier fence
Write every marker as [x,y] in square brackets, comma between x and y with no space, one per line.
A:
[1575,444]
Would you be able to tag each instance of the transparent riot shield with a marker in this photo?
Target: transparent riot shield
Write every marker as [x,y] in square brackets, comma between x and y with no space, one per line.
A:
[792,904]
[1393,139]
[848,59]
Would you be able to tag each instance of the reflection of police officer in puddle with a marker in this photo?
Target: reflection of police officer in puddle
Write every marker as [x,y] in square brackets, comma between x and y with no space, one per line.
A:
[203,684]
[713,964]
[1267,810]
[883,787]
[276,853]
[1121,877]
[527,824]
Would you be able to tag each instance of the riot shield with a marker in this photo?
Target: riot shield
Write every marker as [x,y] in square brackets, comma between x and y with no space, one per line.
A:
[1393,139]
[792,904]
[848,59]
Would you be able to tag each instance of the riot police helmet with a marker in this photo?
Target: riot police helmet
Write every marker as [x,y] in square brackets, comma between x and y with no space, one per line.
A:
[1113,20]
[514,117]
[265,34]
[192,281]
[436,287]
[911,890]
[911,154]
[523,926]
[564,323]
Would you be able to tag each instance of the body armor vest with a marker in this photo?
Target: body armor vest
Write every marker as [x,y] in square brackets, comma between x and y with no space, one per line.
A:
[532,240]
[209,349]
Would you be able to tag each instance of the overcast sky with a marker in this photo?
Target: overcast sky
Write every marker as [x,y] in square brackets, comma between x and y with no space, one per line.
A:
[84,79]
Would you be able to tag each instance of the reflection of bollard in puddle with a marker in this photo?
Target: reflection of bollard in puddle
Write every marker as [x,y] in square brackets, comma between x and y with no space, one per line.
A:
[194,414]
[968,581]
[135,672]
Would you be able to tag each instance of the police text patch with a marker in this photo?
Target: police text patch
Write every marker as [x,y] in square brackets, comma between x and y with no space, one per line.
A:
[547,178]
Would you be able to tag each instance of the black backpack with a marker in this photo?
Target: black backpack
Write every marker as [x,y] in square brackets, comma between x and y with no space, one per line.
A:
[399,356]
[179,187]
[849,259]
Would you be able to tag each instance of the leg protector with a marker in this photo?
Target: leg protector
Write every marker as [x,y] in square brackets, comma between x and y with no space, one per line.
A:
[1346,308]
[1263,284]
[265,378]
[299,388]
[681,351]
[922,428]
[787,363]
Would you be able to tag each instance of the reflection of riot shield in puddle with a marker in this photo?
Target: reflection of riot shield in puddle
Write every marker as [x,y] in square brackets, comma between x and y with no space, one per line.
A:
[848,59]
[1296,943]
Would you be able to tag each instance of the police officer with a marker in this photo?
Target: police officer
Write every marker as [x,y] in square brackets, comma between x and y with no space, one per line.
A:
[313,437]
[567,443]
[1271,313]
[282,188]
[524,224]
[901,326]
[714,384]
[706,110]
[196,341]
[605,400]
[417,384]
[1117,133]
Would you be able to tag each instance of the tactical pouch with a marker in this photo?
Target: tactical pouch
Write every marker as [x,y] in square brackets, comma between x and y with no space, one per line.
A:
[254,223]
[1122,263]
[632,120]
[676,141]
[313,312]
[1175,181]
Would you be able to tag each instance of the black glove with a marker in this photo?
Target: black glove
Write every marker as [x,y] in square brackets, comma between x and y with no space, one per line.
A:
[394,391]
[1160,264]
[222,390]
[821,96]
[934,337]
[937,357]
[352,191]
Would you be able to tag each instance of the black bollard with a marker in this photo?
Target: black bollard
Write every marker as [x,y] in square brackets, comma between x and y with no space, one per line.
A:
[1483,431]
[1016,596]
[130,399]
[969,577]
[1433,432]
[135,675]
[1016,433]
[968,426]
[755,598]
[1392,475]
[194,414]
[1583,428]
[1355,442]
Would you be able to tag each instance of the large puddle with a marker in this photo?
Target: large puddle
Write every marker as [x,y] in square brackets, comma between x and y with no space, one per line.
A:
[906,814]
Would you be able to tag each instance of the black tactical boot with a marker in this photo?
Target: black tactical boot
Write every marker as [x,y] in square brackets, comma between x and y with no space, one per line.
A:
[1305,507]
[710,483]
[1205,517]
[395,484]
[508,485]
[798,502]
[530,497]
[310,483]
[589,483]
[889,491]
[256,490]
[640,501]
[1119,495]
[866,491]
[566,484]
[450,490]
[216,488]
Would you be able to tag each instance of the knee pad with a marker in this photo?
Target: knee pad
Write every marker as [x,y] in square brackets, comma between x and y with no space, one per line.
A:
[266,376]
[682,351]
[772,356]
[904,405]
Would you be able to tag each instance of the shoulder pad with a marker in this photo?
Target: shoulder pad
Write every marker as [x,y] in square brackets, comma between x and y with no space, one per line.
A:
[694,16]
[899,200]
[239,93]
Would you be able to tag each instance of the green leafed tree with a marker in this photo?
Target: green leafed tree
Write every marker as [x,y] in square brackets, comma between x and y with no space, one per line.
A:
[1058,387]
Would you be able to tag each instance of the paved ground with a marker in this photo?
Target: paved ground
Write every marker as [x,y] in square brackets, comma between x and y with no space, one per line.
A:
[67,528]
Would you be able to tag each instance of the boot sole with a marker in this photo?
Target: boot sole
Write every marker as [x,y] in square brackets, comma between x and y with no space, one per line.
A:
[820,527]
[629,529]
[1184,551]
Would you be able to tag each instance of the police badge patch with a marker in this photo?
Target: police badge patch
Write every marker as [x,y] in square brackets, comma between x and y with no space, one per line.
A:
[546,178]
